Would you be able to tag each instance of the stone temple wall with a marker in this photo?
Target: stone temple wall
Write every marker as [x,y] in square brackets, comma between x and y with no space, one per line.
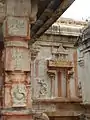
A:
[56,88]
[55,43]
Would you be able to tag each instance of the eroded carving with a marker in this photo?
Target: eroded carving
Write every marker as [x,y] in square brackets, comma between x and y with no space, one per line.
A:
[43,88]
[17,26]
[16,59]
[2,10]
[40,116]
[59,53]
[19,95]
[11,77]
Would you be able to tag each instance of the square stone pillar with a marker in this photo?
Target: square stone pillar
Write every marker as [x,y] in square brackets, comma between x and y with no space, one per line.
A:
[17,102]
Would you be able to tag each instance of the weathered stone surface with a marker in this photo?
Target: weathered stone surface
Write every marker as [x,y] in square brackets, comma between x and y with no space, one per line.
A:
[19,95]
[14,117]
[17,26]
[17,77]
[7,96]
[83,44]
[22,44]
[16,32]
[18,8]
[17,59]
[43,88]
[2,11]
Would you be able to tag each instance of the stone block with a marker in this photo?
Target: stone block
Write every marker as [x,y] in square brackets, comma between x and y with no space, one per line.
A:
[17,59]
[19,8]
[16,26]
[17,95]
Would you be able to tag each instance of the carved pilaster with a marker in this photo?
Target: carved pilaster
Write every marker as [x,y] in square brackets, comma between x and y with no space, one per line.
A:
[52,78]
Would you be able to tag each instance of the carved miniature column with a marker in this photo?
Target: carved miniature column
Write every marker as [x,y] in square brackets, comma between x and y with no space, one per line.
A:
[52,76]
[52,81]
[17,96]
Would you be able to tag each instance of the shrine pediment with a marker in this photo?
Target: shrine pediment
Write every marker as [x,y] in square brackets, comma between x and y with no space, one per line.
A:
[59,50]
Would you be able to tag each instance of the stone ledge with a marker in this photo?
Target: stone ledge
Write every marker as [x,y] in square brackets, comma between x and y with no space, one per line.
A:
[58,100]
[64,113]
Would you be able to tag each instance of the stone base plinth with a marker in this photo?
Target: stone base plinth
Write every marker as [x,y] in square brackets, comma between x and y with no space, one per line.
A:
[16,114]
[17,117]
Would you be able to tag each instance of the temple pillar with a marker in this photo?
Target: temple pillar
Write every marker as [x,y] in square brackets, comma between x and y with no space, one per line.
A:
[17,102]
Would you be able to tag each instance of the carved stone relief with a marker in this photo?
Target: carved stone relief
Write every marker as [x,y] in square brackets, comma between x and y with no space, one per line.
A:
[43,88]
[11,77]
[17,59]
[59,53]
[18,93]
[17,26]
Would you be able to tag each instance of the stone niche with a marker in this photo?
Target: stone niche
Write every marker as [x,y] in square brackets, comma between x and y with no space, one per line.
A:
[60,70]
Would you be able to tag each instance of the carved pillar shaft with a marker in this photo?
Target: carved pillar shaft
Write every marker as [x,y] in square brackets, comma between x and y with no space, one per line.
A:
[17,96]
[16,64]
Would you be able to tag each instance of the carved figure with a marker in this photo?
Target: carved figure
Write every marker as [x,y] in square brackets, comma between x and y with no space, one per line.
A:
[43,88]
[19,94]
